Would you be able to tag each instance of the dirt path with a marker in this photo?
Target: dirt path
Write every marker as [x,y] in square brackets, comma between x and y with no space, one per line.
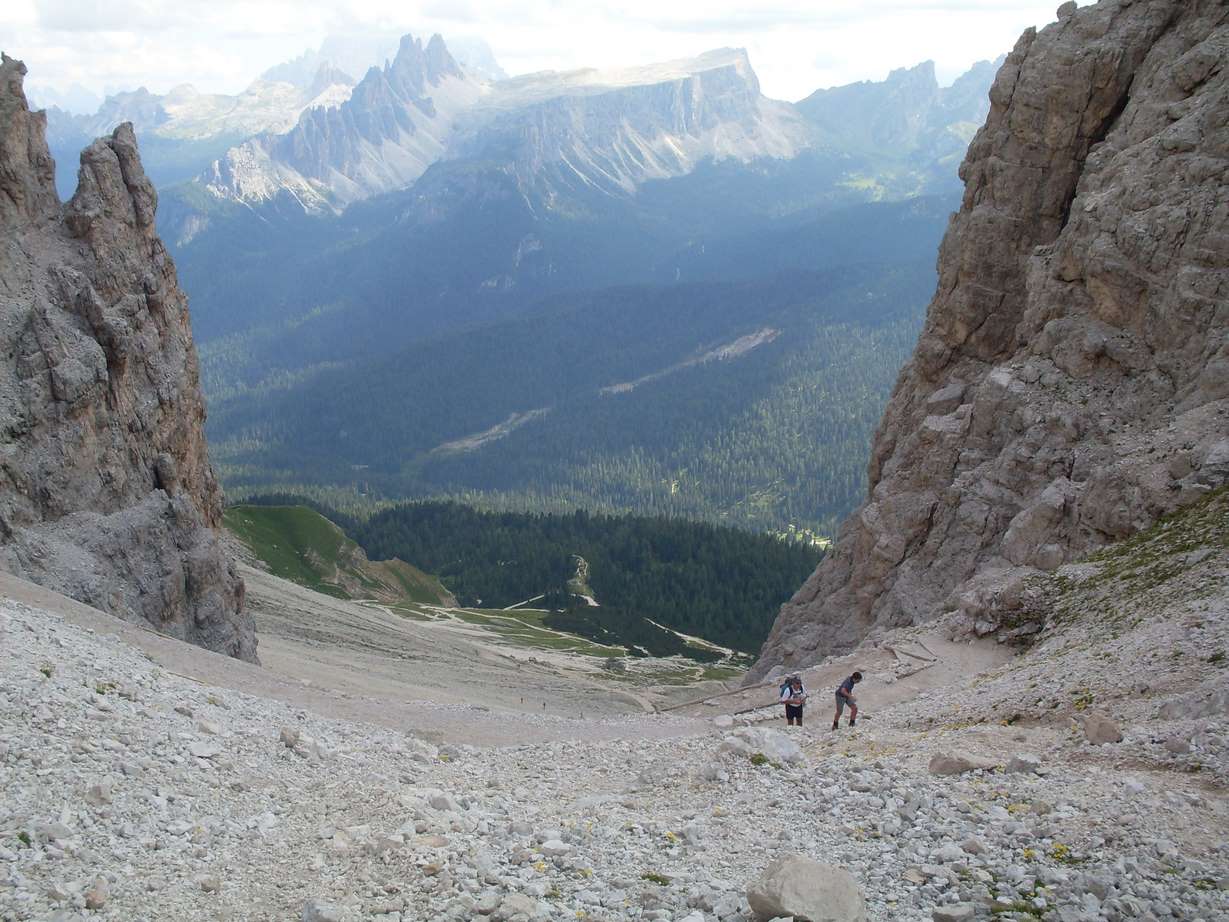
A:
[949,664]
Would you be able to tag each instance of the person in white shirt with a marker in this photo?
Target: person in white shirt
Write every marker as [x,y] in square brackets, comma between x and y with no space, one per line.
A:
[793,696]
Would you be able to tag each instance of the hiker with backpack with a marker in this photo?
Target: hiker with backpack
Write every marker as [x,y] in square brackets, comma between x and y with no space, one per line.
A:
[793,696]
[845,696]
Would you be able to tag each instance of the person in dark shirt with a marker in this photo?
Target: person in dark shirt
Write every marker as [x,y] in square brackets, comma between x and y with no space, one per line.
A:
[845,696]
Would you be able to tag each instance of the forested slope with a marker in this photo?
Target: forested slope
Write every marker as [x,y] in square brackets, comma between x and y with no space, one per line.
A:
[745,402]
[718,583]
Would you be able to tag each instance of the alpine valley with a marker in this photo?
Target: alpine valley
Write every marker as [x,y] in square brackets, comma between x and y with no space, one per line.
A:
[587,322]
[649,290]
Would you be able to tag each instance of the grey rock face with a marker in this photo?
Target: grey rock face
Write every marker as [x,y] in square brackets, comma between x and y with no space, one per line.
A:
[1071,384]
[109,496]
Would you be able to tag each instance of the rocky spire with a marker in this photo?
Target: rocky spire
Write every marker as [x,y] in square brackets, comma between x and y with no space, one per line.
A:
[109,496]
[1071,384]
[27,172]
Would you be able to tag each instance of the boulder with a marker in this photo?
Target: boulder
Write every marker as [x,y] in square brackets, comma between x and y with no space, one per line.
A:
[954,763]
[1099,729]
[97,894]
[773,744]
[321,911]
[955,912]
[806,890]
[208,728]
[949,853]
[974,846]
[1178,745]
[515,904]
[1023,763]
[204,750]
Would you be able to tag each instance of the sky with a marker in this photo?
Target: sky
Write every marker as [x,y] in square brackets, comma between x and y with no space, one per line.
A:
[796,46]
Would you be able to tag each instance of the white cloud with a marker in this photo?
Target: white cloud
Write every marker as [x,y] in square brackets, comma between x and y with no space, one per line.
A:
[796,46]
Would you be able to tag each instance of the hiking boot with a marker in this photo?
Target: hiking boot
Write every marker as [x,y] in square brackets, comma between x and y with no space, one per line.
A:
[852,721]
[836,725]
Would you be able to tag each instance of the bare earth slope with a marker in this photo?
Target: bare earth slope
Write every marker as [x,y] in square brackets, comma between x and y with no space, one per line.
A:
[1072,382]
[108,494]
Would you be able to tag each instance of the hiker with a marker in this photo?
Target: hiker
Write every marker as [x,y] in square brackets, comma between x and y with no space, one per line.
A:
[793,696]
[844,696]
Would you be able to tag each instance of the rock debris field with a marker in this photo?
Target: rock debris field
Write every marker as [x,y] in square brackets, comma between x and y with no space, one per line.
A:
[132,793]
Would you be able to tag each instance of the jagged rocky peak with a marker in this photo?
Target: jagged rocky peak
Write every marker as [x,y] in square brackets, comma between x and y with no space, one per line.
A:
[417,66]
[395,123]
[328,76]
[1071,384]
[439,62]
[26,168]
[110,497]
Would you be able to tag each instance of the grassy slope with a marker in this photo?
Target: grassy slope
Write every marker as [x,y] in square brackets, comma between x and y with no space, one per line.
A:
[1160,567]
[300,545]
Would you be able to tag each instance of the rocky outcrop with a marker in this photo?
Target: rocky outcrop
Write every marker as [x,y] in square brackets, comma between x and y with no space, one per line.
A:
[1071,384]
[108,494]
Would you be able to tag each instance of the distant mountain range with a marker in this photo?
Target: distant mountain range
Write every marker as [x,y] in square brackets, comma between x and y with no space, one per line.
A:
[183,131]
[648,289]
[610,131]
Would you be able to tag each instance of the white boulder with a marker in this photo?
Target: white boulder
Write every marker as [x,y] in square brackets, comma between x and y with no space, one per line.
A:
[807,890]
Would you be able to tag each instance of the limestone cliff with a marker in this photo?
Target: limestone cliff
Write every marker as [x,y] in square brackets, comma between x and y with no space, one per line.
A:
[108,494]
[1071,384]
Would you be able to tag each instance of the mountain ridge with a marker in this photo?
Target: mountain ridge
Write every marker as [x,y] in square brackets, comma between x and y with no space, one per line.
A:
[607,129]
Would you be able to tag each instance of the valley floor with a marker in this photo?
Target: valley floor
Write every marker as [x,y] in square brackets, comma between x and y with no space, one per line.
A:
[382,768]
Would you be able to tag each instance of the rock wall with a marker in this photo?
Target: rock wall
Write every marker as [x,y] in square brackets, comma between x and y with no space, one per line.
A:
[1071,384]
[107,494]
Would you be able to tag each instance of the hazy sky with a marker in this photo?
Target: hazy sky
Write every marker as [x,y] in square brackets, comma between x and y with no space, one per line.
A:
[796,46]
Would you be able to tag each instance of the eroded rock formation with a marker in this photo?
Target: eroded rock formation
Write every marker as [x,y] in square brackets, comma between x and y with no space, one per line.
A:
[1071,384]
[107,494]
